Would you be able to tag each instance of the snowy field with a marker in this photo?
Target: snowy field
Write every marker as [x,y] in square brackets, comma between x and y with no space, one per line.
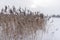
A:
[53,30]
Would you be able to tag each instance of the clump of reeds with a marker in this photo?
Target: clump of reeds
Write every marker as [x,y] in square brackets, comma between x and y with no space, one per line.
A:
[21,22]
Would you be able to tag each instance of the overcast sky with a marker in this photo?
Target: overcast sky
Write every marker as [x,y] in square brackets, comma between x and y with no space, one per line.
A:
[45,6]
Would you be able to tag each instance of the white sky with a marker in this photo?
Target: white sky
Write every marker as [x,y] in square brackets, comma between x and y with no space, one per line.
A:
[45,3]
[45,6]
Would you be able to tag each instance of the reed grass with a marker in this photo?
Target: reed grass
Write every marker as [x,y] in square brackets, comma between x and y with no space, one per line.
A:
[20,23]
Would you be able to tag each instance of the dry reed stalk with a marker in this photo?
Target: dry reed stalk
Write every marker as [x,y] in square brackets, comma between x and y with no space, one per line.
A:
[20,25]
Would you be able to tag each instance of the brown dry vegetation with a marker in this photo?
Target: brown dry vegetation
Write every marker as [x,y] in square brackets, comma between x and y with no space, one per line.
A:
[21,24]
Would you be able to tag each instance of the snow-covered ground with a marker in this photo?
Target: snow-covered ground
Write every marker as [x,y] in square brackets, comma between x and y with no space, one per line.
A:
[53,30]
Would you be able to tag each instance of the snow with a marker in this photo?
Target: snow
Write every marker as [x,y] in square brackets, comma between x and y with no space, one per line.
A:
[53,30]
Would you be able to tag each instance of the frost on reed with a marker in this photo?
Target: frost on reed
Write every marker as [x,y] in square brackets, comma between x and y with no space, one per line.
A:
[15,24]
